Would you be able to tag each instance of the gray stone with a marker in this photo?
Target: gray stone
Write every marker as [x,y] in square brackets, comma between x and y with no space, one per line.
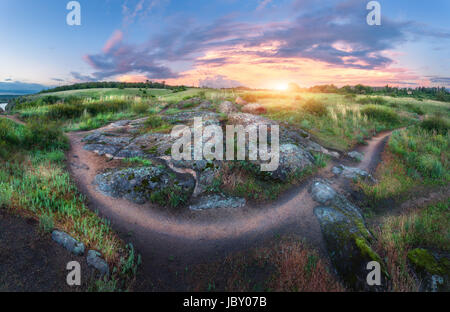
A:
[138,184]
[94,260]
[356,155]
[293,159]
[68,242]
[352,173]
[217,201]
[322,192]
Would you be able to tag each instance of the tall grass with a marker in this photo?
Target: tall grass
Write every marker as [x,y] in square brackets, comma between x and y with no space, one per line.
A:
[424,227]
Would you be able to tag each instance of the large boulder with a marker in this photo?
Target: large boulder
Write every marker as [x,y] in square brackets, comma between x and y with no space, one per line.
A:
[158,184]
[254,108]
[347,239]
[293,160]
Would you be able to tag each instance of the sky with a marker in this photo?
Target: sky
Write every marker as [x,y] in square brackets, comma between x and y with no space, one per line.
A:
[225,43]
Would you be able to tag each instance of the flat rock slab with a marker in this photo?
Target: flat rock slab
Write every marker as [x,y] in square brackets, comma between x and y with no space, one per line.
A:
[217,201]
[352,173]
[68,242]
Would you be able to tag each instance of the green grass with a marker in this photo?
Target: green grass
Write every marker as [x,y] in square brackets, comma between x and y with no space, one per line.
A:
[414,158]
[427,227]
[34,182]
[103,93]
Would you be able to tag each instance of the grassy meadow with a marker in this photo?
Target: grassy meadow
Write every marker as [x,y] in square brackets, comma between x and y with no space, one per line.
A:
[34,182]
[415,158]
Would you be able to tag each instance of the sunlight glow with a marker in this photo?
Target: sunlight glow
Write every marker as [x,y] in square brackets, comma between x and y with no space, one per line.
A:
[281,87]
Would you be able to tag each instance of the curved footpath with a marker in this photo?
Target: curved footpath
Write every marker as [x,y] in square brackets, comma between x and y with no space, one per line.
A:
[197,237]
[171,243]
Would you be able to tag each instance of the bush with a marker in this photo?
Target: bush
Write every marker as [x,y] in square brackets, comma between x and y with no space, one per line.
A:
[414,109]
[372,100]
[315,107]
[44,135]
[64,111]
[154,121]
[380,113]
[139,108]
[436,123]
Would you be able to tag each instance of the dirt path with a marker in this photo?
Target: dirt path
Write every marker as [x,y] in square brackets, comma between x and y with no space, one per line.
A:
[169,243]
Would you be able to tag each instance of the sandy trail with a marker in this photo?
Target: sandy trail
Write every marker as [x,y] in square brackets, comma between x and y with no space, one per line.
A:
[198,237]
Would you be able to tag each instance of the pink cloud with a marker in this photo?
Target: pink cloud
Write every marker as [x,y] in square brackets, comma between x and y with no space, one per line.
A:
[116,38]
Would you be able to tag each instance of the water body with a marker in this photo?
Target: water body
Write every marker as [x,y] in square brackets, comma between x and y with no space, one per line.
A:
[3,106]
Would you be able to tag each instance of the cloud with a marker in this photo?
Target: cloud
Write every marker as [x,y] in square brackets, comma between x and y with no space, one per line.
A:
[115,39]
[262,5]
[57,79]
[333,33]
[440,80]
[218,82]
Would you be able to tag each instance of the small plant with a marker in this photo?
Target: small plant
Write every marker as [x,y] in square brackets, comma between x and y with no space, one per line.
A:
[437,124]
[139,108]
[46,223]
[380,113]
[154,121]
[315,107]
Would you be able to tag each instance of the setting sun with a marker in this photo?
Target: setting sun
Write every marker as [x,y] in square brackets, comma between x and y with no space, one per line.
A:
[281,87]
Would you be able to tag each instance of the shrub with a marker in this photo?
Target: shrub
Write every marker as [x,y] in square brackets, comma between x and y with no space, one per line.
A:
[436,123]
[154,121]
[414,108]
[64,111]
[44,135]
[315,107]
[372,100]
[139,108]
[380,113]
[249,97]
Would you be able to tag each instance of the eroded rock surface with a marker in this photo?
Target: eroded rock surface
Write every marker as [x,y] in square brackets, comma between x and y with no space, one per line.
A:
[217,201]
[142,184]
[346,236]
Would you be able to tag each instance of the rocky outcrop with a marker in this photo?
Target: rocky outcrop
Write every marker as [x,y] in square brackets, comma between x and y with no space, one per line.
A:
[68,242]
[158,184]
[346,237]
